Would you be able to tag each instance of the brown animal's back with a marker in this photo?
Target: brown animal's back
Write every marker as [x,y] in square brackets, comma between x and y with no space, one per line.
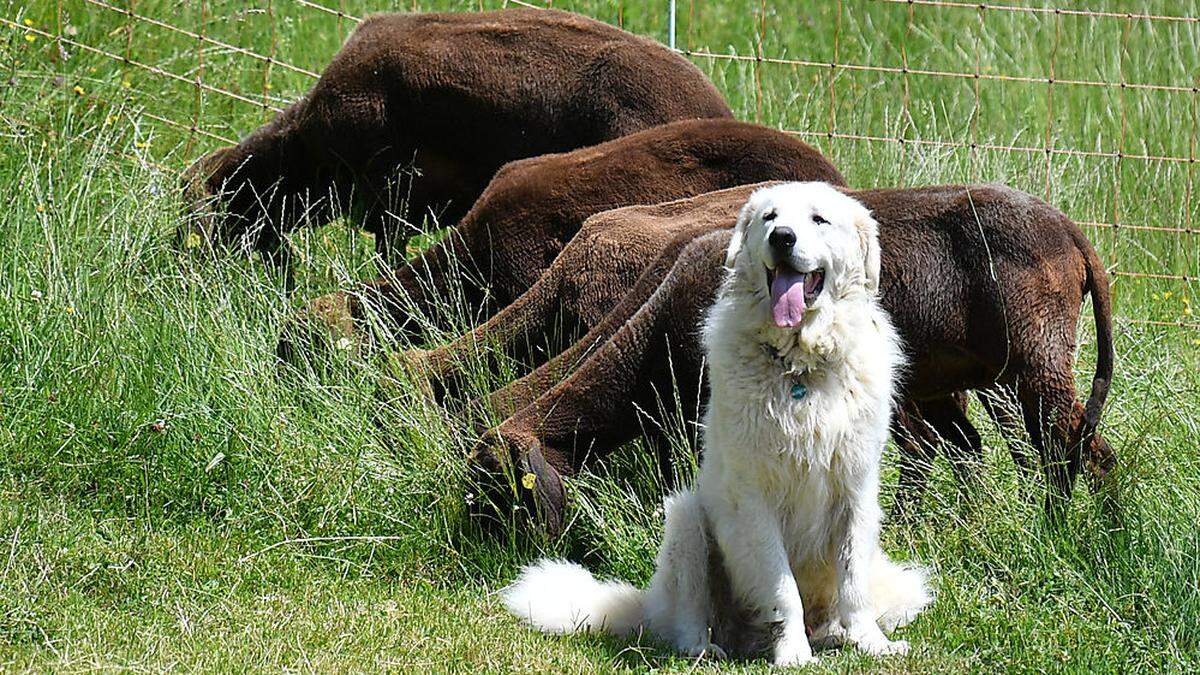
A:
[954,260]
[1004,265]
[546,199]
[540,66]
[674,161]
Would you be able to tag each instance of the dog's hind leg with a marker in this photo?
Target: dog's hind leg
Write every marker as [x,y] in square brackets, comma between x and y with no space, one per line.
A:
[679,601]
[752,545]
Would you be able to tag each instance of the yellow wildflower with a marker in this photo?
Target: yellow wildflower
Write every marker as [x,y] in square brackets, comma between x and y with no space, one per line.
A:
[28,22]
[78,90]
[140,144]
[40,208]
[30,38]
[125,83]
[528,481]
[70,309]
[1166,295]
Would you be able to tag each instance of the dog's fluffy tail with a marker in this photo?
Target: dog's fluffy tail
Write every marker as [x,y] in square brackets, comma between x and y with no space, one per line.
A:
[556,596]
[900,591]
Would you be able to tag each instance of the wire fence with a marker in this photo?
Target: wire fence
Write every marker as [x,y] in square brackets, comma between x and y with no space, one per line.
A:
[1138,106]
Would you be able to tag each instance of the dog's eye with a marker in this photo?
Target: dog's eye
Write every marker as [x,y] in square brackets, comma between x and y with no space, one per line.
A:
[819,220]
[769,215]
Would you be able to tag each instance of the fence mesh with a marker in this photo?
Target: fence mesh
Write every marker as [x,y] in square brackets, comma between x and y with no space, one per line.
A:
[1093,108]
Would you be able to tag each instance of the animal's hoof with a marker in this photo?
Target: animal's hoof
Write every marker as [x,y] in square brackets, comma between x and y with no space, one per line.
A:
[513,476]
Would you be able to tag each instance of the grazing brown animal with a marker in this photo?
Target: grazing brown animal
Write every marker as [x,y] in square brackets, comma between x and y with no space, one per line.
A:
[452,97]
[984,283]
[534,206]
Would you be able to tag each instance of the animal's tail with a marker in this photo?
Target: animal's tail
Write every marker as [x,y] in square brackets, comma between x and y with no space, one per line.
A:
[556,596]
[1097,284]
[899,590]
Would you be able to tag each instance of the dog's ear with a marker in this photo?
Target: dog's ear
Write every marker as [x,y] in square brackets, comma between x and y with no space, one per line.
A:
[868,237]
[739,232]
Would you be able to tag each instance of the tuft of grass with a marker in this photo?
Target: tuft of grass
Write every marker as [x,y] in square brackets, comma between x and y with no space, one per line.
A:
[171,496]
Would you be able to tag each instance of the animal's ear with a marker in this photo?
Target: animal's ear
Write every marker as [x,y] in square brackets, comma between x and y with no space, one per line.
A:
[739,233]
[868,237]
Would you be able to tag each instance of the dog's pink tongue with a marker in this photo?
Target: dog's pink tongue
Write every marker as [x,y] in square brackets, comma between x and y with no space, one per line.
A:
[787,297]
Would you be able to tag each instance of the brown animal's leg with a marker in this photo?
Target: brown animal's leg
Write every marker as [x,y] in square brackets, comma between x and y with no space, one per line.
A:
[1052,418]
[1001,405]
[918,449]
[1099,460]
[396,205]
[277,255]
[391,234]
[948,418]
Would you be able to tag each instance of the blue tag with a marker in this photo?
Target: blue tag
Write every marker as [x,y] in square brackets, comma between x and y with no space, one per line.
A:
[799,391]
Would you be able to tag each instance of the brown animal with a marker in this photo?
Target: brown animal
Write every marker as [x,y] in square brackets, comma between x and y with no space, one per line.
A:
[533,207]
[984,284]
[452,97]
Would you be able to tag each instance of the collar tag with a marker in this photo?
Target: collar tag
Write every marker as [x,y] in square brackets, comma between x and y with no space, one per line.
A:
[799,391]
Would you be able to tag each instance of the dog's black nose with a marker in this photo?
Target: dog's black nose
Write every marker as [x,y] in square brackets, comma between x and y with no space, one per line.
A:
[782,239]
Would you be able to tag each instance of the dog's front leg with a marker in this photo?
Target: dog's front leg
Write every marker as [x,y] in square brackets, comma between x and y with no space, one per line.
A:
[858,533]
[752,546]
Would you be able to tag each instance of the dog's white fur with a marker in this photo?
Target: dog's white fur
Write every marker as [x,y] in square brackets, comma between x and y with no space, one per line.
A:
[788,489]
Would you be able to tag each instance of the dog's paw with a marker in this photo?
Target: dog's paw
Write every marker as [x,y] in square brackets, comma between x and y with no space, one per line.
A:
[881,646]
[707,651]
[793,652]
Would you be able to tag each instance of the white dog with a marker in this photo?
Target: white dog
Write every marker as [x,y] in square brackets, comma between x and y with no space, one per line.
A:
[781,531]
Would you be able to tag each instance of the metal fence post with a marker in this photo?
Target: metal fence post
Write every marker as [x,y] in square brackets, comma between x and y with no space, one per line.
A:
[671,24]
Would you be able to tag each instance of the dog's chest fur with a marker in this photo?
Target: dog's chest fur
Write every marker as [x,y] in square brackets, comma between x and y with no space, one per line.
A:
[802,454]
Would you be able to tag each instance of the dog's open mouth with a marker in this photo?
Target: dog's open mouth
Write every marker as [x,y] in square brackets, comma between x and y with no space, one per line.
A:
[793,292]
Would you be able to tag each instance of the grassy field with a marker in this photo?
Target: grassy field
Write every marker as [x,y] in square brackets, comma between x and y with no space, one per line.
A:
[170,500]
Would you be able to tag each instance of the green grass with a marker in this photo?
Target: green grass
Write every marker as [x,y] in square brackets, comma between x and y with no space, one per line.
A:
[170,500]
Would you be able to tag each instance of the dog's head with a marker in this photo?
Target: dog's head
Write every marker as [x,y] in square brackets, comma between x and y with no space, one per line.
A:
[802,246]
